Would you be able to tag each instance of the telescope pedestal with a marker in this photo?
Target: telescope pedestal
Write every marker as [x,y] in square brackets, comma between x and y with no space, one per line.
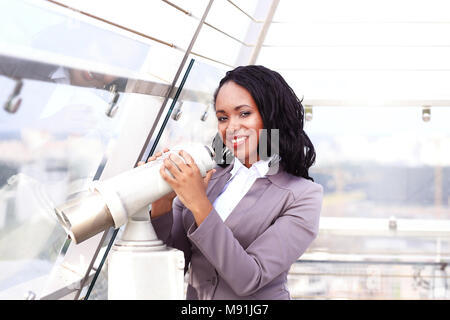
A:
[142,267]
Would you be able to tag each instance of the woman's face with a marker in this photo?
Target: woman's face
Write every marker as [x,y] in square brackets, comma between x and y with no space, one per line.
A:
[239,122]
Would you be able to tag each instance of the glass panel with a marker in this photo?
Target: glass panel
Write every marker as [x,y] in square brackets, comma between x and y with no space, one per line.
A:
[42,30]
[190,118]
[193,118]
[230,41]
[64,95]
[153,18]
[51,147]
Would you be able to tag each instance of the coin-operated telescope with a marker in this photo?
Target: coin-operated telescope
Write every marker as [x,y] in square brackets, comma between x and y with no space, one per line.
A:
[140,266]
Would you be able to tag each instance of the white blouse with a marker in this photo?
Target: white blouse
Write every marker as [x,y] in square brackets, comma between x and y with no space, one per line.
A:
[242,178]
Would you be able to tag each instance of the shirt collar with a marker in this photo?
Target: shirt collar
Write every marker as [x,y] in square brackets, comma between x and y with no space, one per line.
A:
[236,167]
[261,166]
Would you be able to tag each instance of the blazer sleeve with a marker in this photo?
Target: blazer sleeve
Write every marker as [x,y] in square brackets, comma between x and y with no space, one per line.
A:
[170,229]
[273,252]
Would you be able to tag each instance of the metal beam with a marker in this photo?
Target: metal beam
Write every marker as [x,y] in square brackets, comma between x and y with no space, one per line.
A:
[263,33]
[375,103]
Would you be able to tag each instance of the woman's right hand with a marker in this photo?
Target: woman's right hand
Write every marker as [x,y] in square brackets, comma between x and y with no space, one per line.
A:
[164,204]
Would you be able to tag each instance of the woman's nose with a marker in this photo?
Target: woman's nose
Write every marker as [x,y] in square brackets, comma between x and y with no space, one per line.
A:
[233,126]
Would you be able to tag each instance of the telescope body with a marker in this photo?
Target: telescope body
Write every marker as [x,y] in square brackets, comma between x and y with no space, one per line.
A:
[111,202]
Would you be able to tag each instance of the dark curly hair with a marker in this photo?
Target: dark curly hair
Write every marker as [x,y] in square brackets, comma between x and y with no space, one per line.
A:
[280,109]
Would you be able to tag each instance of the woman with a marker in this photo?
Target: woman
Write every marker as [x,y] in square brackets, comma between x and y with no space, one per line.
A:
[244,224]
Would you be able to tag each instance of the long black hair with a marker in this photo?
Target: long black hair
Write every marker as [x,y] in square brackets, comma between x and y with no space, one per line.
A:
[280,109]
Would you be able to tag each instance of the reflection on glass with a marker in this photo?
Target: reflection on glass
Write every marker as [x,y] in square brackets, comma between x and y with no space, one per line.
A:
[54,128]
[50,149]
[43,28]
[18,69]
[193,117]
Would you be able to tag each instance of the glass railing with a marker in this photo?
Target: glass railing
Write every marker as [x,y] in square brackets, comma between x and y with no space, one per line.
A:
[53,142]
[374,280]
[65,92]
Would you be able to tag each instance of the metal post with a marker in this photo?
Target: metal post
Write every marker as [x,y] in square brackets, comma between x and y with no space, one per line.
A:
[263,33]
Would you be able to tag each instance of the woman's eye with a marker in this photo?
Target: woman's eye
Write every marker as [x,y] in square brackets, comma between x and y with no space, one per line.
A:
[245,114]
[221,119]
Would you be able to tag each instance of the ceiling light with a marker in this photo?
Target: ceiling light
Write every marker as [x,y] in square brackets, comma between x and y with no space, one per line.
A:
[426,113]
[308,113]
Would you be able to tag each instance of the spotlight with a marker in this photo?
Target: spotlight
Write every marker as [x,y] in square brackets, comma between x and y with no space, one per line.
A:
[205,113]
[176,114]
[308,113]
[426,114]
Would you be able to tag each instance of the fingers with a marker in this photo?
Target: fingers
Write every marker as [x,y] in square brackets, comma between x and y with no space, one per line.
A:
[180,164]
[170,180]
[155,156]
[208,176]
[173,168]
[187,158]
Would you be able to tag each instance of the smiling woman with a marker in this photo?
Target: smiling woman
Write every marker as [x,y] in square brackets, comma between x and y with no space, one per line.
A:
[275,108]
[239,122]
[244,225]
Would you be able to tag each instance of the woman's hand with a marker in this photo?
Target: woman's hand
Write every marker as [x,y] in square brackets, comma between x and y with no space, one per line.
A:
[188,184]
[164,204]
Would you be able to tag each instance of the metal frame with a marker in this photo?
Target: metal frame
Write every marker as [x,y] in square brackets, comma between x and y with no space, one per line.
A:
[177,75]
[263,32]
[249,52]
[387,227]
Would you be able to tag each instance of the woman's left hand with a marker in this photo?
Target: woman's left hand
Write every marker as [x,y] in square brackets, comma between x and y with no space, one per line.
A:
[188,184]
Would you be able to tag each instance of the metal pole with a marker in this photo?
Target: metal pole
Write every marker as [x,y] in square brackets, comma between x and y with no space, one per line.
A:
[180,68]
[263,33]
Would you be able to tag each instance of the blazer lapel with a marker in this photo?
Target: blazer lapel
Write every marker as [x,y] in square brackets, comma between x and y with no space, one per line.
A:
[216,184]
[256,192]
[251,198]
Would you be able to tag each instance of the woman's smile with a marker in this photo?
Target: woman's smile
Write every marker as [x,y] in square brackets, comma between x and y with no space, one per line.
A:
[238,140]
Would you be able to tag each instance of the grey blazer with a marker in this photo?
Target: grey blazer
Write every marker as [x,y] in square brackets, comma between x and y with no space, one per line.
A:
[248,255]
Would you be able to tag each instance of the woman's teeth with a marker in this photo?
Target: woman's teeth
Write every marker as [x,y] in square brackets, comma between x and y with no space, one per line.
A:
[238,140]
